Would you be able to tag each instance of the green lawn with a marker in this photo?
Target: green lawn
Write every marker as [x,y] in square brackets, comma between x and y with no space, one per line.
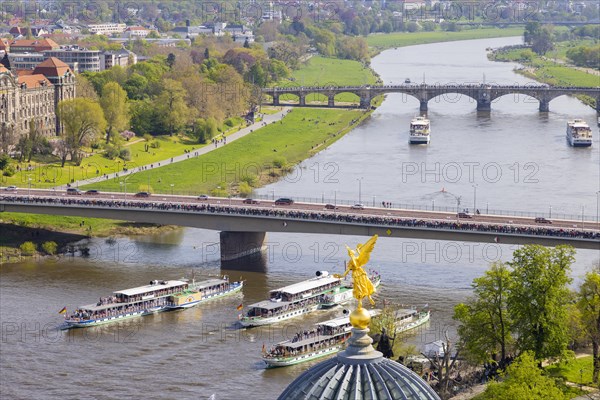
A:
[49,173]
[571,371]
[303,132]
[548,71]
[399,39]
[322,71]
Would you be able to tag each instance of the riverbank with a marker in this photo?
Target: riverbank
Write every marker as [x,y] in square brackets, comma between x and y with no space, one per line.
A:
[555,72]
[18,228]
[380,42]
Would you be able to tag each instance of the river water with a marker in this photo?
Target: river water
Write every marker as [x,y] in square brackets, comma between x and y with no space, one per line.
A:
[517,157]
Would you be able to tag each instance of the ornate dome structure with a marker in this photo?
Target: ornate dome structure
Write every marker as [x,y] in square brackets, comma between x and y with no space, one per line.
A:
[359,373]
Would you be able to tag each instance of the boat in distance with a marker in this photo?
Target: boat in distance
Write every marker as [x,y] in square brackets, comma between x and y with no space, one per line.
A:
[323,291]
[579,134]
[327,338]
[419,130]
[155,297]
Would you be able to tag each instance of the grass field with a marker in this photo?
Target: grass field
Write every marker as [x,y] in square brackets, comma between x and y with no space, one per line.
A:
[399,39]
[322,71]
[548,71]
[50,173]
[572,371]
[303,132]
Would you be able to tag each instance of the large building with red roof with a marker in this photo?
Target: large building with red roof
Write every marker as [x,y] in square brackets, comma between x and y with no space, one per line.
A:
[32,97]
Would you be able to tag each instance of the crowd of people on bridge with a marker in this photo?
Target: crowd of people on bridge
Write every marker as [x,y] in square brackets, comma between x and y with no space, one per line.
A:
[295,214]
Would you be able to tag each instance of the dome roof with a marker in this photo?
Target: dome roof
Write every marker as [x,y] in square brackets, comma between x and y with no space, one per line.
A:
[359,373]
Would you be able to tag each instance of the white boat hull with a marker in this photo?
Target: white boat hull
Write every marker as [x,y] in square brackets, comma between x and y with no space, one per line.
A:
[260,321]
[418,140]
[414,324]
[287,361]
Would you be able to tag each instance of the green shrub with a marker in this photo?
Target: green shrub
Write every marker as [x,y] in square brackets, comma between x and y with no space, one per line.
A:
[125,154]
[28,248]
[245,189]
[9,171]
[50,248]
[279,162]
[155,144]
[251,180]
[111,152]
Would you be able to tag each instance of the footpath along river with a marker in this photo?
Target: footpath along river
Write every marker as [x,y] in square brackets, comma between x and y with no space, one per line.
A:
[517,157]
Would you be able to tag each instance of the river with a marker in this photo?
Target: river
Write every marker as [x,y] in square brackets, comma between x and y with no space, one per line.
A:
[517,157]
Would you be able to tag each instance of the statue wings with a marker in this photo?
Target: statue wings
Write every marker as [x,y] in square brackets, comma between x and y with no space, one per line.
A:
[364,250]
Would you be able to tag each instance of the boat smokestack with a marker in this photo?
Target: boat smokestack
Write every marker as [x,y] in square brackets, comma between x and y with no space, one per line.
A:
[322,274]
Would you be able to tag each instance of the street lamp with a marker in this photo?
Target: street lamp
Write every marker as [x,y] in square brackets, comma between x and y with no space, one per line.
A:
[598,207]
[550,213]
[29,190]
[172,184]
[475,198]
[582,220]
[335,199]
[432,205]
[359,189]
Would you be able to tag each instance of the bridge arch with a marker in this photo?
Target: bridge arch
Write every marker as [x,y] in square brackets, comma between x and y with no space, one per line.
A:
[350,97]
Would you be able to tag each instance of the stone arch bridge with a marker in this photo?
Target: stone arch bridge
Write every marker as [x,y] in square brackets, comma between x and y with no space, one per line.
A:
[482,94]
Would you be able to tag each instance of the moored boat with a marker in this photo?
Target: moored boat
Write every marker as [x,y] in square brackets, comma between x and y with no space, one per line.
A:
[579,134]
[295,300]
[419,130]
[327,338]
[155,297]
[408,318]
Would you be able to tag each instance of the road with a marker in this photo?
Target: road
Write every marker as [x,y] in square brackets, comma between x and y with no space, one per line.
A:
[591,226]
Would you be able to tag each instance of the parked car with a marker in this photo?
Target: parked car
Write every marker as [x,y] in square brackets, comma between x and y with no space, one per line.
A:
[464,215]
[203,197]
[284,201]
[330,207]
[92,191]
[142,194]
[357,206]
[11,188]
[74,191]
[541,220]
[250,201]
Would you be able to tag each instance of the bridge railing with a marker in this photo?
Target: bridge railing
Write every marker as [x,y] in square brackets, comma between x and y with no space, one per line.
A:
[370,202]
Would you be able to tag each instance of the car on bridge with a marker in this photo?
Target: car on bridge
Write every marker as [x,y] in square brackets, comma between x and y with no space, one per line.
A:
[203,197]
[464,215]
[284,201]
[91,192]
[142,194]
[357,206]
[541,220]
[74,191]
[11,188]
[331,207]
[250,201]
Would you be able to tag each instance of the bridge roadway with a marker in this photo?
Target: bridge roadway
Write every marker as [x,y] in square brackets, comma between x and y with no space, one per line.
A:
[483,94]
[243,226]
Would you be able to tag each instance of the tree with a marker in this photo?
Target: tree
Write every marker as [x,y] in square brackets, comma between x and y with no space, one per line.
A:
[82,121]
[171,107]
[539,37]
[246,44]
[85,88]
[524,381]
[4,161]
[538,298]
[485,322]
[7,137]
[115,107]
[171,60]
[206,54]
[589,306]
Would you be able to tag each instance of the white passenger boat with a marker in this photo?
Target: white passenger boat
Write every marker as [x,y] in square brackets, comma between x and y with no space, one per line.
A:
[408,318]
[579,134]
[155,297]
[419,131]
[300,298]
[327,338]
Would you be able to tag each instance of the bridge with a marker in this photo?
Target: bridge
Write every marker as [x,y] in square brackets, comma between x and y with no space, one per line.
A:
[243,226]
[482,94]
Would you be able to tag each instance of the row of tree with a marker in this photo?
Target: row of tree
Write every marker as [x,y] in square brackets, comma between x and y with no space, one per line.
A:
[525,305]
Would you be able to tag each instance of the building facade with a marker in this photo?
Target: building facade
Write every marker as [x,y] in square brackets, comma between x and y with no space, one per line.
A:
[32,98]
[107,29]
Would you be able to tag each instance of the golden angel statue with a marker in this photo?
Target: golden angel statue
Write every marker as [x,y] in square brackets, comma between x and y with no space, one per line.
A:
[363,287]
